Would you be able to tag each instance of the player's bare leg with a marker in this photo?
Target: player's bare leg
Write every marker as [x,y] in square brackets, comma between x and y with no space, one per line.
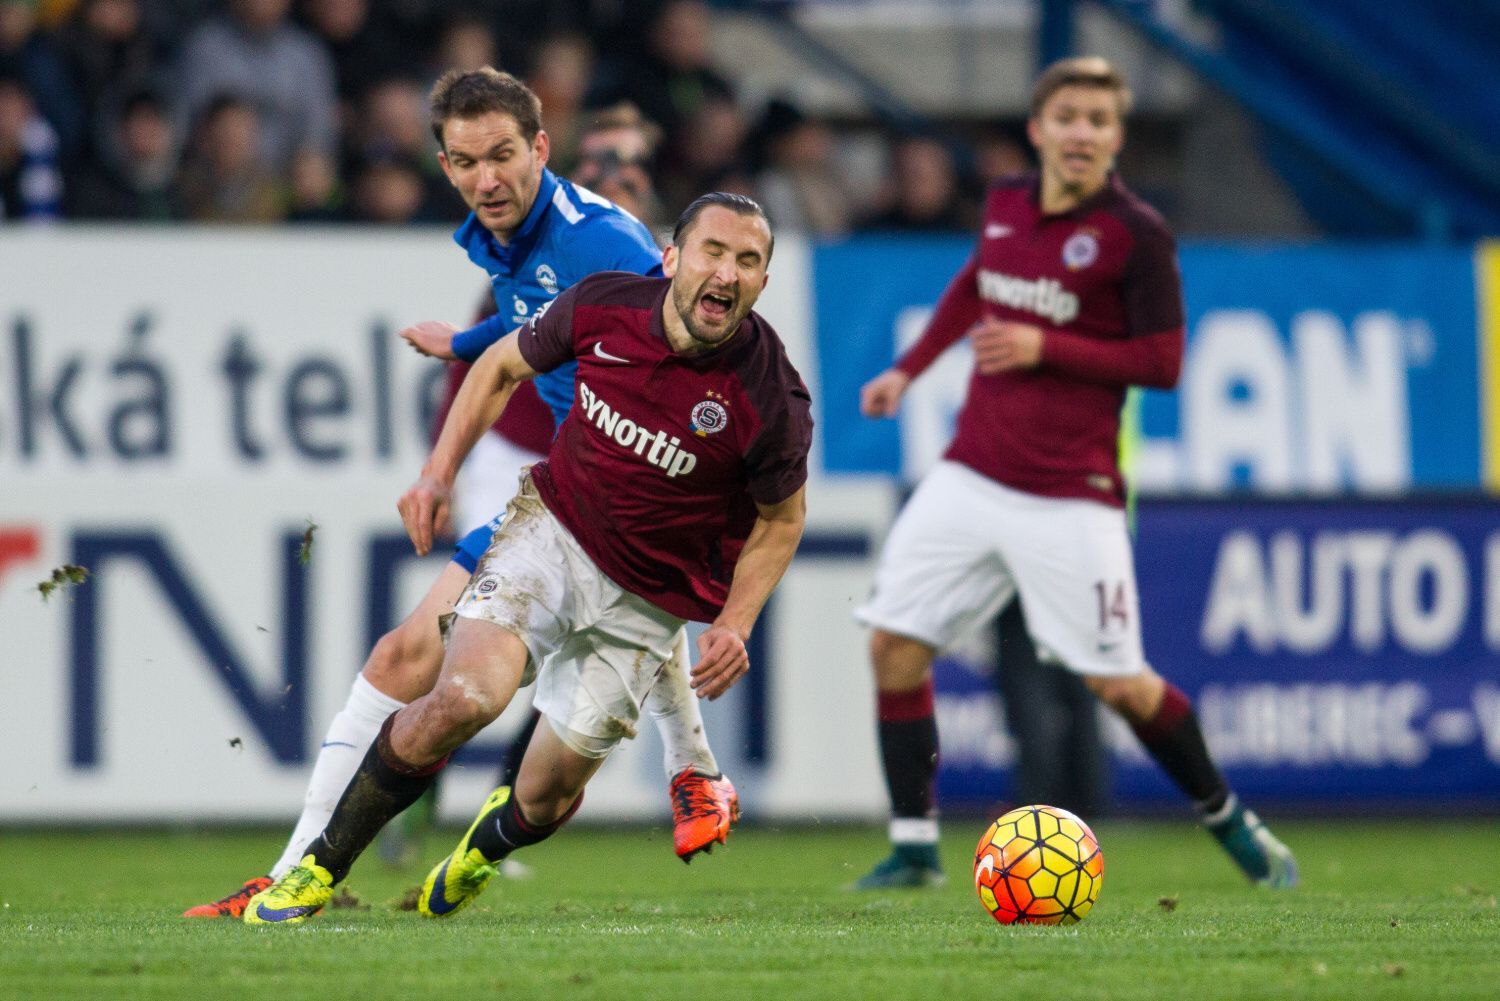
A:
[1163,719]
[481,671]
[909,753]
[704,803]
[401,667]
[547,792]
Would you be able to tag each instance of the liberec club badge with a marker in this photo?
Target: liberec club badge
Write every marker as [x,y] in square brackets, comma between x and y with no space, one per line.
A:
[710,417]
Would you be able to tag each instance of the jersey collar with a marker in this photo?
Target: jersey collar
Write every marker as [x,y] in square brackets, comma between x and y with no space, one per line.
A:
[1113,188]
[487,252]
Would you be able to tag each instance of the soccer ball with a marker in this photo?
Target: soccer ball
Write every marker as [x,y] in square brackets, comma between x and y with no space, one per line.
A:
[1038,865]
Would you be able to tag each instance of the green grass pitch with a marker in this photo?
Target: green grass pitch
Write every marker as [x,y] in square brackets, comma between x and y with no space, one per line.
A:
[1397,909]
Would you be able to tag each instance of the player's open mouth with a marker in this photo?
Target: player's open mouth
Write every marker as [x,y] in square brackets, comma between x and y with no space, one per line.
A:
[717,306]
[495,207]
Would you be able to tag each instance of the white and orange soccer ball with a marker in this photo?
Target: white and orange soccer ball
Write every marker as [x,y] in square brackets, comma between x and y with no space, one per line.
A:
[1038,865]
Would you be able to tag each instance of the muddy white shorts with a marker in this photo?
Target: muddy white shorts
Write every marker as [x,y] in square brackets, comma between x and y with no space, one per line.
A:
[964,546]
[596,649]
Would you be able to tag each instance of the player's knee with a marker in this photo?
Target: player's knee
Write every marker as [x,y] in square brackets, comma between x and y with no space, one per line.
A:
[463,706]
[1134,697]
[404,661]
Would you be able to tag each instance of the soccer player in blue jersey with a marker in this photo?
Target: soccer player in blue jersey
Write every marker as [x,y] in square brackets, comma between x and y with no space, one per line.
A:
[535,235]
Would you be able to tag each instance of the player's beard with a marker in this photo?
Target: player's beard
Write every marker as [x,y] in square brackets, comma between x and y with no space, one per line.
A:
[708,334]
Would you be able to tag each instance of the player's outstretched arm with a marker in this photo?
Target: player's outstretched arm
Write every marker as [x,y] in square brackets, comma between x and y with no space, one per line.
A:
[433,338]
[881,396]
[768,551]
[486,389]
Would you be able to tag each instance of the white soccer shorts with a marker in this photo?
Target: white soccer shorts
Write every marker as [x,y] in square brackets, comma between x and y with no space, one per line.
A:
[487,481]
[965,545]
[596,649]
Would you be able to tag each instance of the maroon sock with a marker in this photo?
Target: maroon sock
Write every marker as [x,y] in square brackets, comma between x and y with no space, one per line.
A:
[1174,738]
[909,750]
[381,788]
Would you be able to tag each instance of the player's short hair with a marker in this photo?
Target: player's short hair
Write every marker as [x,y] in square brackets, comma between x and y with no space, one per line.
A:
[471,93]
[739,204]
[1080,71]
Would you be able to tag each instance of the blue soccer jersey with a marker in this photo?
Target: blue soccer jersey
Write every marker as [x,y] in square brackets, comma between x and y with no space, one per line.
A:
[569,234]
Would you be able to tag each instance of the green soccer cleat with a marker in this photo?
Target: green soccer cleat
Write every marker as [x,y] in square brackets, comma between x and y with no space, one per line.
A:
[1260,854]
[293,898]
[908,867]
[462,876]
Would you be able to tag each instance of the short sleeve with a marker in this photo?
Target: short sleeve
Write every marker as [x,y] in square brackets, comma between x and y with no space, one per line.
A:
[777,463]
[1152,283]
[546,340]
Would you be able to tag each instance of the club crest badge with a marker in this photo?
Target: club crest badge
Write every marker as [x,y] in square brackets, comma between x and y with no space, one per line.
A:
[547,278]
[710,417]
[1081,250]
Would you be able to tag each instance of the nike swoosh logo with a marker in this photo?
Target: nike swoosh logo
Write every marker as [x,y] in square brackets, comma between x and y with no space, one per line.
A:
[271,914]
[599,350]
[336,743]
[995,231]
[436,902]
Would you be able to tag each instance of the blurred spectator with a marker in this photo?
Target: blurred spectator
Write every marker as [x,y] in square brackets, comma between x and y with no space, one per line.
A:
[389,190]
[672,79]
[225,179]
[466,42]
[800,184]
[134,176]
[998,156]
[30,56]
[560,71]
[110,58]
[256,53]
[364,48]
[707,151]
[31,185]
[394,122]
[925,191]
[314,194]
[615,155]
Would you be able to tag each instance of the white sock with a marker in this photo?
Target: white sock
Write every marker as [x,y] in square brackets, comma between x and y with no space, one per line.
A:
[345,744]
[674,707]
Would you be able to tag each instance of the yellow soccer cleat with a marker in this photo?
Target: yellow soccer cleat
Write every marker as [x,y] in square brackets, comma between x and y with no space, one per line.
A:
[293,898]
[462,876]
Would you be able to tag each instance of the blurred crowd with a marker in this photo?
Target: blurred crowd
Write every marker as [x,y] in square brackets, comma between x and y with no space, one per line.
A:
[266,111]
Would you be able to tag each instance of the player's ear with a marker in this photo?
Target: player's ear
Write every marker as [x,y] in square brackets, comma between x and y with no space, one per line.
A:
[447,167]
[669,259]
[541,146]
[1034,132]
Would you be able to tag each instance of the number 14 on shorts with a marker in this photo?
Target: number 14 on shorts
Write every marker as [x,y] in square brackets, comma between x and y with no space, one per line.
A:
[1113,609]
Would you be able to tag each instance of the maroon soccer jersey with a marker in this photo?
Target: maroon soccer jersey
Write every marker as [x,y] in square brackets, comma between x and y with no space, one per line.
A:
[659,465]
[1102,283]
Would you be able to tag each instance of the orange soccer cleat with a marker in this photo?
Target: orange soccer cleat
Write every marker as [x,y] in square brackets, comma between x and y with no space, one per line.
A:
[232,906]
[704,808]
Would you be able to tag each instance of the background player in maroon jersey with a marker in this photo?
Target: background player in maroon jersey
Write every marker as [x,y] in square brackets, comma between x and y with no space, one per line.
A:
[1072,295]
[675,490]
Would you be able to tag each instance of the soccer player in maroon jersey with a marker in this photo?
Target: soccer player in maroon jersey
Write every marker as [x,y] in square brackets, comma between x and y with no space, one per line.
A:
[674,490]
[1071,296]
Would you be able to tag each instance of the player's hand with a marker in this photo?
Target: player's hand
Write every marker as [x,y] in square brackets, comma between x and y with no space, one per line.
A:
[424,511]
[881,396]
[433,338]
[722,661]
[1002,345]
